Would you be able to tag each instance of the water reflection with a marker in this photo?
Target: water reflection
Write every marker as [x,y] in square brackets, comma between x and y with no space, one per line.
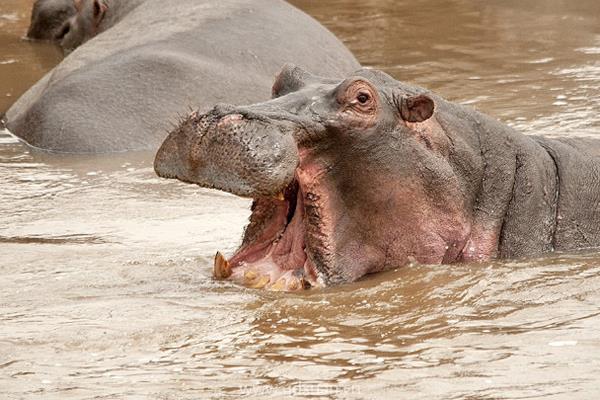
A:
[464,328]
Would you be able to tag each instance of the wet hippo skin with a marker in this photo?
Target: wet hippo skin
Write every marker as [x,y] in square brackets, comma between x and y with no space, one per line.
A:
[364,174]
[48,17]
[138,65]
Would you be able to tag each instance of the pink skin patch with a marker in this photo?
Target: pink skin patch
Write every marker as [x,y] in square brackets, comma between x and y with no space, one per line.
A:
[481,246]
[413,225]
[410,228]
[310,175]
[228,120]
[277,257]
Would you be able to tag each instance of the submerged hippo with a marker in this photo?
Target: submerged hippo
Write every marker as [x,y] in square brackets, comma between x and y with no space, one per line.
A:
[365,174]
[48,18]
[94,17]
[145,62]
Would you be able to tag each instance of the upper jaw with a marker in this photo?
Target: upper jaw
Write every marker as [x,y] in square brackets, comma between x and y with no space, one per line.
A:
[230,152]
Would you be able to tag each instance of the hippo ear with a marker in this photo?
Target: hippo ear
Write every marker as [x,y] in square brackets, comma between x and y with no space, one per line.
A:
[416,108]
[99,10]
[292,78]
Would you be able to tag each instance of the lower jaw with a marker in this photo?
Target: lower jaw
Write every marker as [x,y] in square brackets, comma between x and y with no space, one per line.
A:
[266,274]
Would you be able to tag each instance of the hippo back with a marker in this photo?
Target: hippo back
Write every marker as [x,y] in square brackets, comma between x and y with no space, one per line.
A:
[123,89]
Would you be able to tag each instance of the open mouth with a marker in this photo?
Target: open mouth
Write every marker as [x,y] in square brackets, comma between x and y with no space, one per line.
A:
[273,254]
[287,235]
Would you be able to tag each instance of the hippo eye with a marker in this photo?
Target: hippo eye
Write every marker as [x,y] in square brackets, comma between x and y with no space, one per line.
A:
[358,97]
[363,98]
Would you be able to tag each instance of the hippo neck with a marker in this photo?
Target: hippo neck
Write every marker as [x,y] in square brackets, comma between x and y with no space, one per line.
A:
[515,199]
[577,165]
[530,219]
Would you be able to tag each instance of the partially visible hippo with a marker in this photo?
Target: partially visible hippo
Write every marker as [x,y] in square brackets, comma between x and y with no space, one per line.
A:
[355,176]
[48,18]
[92,18]
[145,62]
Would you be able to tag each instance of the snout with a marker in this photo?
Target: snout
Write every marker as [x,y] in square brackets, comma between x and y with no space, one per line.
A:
[230,151]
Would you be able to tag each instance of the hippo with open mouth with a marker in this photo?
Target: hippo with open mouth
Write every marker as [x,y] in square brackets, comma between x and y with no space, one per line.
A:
[366,174]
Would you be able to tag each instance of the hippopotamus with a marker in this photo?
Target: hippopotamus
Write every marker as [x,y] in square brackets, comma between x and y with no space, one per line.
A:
[48,18]
[359,175]
[92,18]
[138,65]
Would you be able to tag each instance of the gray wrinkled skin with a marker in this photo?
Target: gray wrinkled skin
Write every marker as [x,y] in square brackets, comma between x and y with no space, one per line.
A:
[246,160]
[149,63]
[494,192]
[48,18]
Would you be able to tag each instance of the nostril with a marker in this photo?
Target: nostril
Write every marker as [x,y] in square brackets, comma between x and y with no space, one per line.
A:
[230,119]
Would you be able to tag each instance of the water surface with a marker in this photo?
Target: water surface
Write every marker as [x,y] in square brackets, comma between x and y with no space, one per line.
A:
[105,268]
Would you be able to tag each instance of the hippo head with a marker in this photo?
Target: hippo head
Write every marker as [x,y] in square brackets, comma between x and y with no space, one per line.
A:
[48,18]
[83,25]
[348,178]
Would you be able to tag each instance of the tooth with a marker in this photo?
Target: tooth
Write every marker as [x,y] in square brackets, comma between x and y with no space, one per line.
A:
[279,285]
[260,283]
[291,284]
[300,281]
[253,280]
[250,275]
[221,269]
[294,284]
[280,196]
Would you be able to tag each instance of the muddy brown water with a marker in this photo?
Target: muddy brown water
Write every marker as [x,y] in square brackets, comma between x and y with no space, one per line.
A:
[105,269]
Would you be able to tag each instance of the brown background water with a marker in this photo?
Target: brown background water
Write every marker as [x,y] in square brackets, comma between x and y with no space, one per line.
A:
[105,269]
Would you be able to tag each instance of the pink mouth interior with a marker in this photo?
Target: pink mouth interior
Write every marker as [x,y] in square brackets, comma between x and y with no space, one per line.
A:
[280,250]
